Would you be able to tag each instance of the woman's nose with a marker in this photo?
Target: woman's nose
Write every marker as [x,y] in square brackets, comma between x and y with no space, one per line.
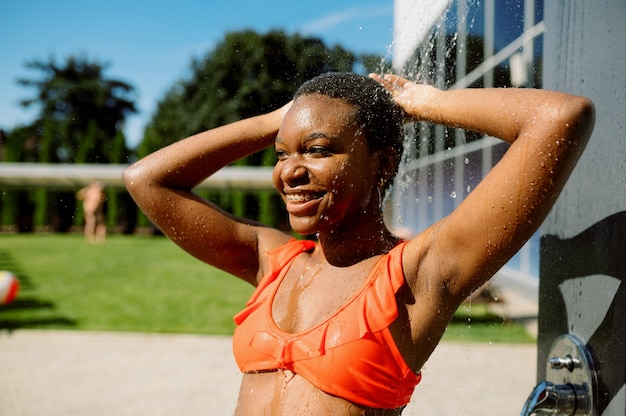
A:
[294,171]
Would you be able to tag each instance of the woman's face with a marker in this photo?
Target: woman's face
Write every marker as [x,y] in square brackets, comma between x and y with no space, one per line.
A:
[325,172]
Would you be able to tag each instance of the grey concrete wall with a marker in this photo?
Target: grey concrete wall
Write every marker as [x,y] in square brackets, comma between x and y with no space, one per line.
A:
[582,287]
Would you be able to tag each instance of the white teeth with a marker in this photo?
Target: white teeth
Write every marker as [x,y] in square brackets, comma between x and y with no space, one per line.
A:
[301,197]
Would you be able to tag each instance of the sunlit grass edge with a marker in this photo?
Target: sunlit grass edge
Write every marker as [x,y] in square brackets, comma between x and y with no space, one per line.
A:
[147,284]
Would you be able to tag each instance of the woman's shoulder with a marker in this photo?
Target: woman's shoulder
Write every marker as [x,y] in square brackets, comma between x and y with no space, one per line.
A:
[293,245]
[275,250]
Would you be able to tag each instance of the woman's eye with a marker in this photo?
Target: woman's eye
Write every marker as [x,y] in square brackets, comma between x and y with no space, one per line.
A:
[281,155]
[319,151]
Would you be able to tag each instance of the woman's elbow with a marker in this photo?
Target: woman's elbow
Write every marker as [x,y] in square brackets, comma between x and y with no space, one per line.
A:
[580,116]
[589,116]
[133,177]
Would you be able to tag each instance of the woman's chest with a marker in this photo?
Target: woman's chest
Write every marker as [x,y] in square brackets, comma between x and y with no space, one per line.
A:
[310,294]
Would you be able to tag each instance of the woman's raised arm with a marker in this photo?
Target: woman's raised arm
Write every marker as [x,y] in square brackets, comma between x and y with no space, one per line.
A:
[547,132]
[162,183]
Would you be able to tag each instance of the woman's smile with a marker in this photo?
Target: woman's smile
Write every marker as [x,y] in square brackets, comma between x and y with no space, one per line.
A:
[303,203]
[299,198]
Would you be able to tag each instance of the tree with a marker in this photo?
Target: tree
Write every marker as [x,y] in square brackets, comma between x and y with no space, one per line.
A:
[80,120]
[82,104]
[375,63]
[245,75]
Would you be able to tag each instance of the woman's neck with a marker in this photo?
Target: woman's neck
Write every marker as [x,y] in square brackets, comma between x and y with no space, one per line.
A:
[355,244]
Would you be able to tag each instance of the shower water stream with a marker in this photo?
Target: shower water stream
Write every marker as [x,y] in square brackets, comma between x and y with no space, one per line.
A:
[584,49]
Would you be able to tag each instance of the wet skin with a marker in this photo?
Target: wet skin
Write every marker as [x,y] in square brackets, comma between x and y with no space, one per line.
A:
[327,177]
[284,393]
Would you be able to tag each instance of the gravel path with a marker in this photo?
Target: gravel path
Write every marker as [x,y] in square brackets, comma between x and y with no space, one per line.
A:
[50,373]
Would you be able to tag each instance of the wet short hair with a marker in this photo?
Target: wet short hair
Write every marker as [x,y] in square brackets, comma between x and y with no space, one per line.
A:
[377,114]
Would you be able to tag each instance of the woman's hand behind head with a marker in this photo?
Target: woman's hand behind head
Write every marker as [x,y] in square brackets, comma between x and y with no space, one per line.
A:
[409,95]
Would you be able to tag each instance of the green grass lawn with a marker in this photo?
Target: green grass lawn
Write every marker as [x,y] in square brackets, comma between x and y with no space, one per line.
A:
[129,283]
[147,284]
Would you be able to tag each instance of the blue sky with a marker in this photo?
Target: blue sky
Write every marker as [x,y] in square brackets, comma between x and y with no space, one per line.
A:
[150,44]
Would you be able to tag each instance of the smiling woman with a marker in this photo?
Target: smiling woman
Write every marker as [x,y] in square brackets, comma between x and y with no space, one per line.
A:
[343,325]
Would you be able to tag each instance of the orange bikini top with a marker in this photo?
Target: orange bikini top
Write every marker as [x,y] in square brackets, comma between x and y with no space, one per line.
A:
[351,354]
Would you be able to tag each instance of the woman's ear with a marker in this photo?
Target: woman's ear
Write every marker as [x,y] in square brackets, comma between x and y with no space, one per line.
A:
[387,163]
